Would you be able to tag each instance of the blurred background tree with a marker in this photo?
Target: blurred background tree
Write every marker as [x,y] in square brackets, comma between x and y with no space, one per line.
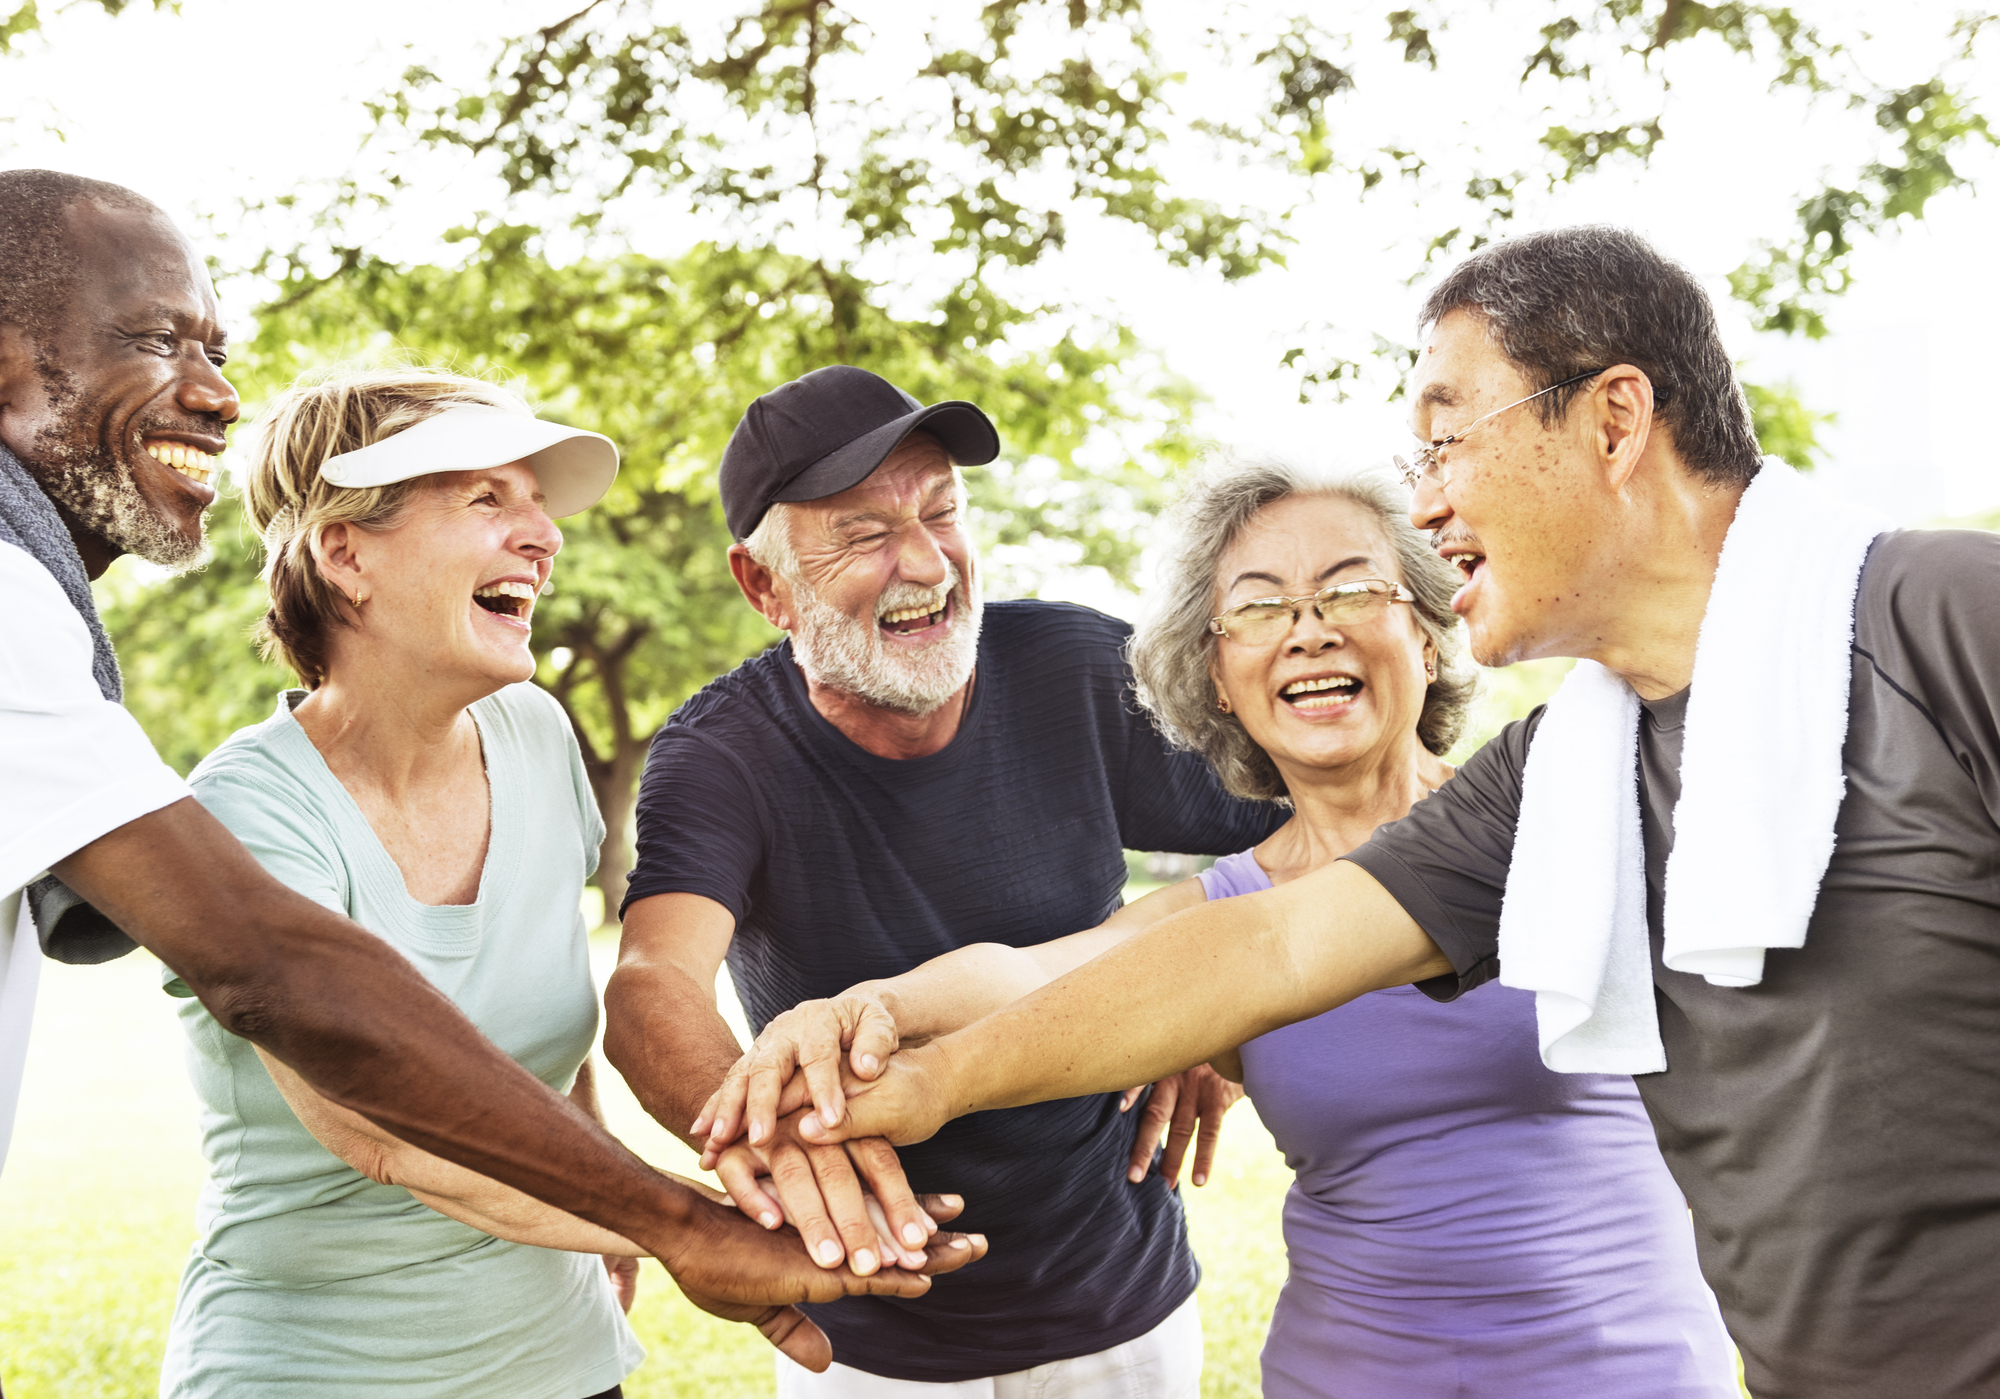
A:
[664,219]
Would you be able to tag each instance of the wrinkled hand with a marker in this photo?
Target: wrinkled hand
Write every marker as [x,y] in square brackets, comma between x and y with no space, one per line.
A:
[907,1103]
[730,1268]
[1177,1102]
[797,1059]
[624,1279]
[850,1202]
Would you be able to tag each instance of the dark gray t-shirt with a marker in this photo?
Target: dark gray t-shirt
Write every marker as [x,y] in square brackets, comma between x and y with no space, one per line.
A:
[1836,1128]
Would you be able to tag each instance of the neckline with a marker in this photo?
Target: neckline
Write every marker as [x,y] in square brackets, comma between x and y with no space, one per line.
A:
[366,855]
[1668,711]
[794,680]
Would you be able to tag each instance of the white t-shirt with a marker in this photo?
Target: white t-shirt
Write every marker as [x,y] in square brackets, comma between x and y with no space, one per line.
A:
[73,766]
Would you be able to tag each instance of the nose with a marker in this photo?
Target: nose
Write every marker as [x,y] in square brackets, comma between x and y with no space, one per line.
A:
[1429,510]
[207,392]
[1312,634]
[921,559]
[538,537]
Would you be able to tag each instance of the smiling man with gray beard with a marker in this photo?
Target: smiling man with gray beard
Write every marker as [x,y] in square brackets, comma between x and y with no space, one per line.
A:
[910,772]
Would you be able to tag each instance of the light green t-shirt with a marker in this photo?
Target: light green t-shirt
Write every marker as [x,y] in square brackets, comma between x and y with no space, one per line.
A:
[308,1279]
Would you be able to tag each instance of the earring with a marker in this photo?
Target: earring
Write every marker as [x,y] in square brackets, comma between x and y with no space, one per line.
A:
[358,599]
[1222,704]
[1430,670]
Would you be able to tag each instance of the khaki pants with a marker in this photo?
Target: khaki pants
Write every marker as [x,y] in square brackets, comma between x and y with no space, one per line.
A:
[1165,1363]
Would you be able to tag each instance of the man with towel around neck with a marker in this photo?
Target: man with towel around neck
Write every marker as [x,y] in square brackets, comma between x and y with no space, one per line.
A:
[1818,1041]
[113,407]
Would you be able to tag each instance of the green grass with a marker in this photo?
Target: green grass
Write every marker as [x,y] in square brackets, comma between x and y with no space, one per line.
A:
[97,1207]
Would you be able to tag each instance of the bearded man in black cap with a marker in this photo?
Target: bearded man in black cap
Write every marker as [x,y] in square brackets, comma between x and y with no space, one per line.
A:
[113,406]
[912,771]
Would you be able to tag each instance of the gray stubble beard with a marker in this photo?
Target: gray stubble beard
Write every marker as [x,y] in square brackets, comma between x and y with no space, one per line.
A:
[837,651]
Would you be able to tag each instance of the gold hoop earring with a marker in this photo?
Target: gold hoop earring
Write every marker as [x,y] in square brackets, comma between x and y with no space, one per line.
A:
[358,599]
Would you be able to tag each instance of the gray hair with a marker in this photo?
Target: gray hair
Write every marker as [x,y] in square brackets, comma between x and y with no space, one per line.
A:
[1171,650]
[1571,300]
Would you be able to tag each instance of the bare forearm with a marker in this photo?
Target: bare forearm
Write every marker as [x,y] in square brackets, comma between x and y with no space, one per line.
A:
[950,992]
[357,1021]
[1192,986]
[664,1034]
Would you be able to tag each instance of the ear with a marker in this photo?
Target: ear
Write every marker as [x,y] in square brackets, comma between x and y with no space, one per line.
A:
[1623,400]
[1215,678]
[760,587]
[20,387]
[333,551]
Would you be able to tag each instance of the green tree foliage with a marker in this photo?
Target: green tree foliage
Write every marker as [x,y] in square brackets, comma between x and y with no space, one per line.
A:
[665,217]
[25,18]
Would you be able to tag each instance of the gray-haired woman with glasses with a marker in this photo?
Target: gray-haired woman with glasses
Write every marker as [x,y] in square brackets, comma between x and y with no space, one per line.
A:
[1464,1221]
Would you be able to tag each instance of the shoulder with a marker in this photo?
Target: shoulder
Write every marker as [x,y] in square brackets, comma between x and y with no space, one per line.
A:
[746,698]
[1930,577]
[1025,620]
[526,712]
[259,774]
[1048,641]
[40,616]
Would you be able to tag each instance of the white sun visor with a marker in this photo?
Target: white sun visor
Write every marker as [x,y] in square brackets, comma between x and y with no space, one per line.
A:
[574,468]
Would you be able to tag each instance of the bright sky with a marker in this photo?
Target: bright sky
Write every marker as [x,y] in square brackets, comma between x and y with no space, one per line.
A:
[235,98]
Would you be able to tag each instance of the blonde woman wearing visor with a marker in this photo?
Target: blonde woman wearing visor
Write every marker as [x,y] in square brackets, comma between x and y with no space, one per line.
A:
[418,785]
[1463,1220]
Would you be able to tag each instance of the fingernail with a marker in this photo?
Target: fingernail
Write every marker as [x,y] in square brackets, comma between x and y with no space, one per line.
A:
[913,1234]
[768,1220]
[828,1252]
[809,1125]
[954,1201]
[1135,1175]
[864,1260]
[869,1063]
[960,1243]
[757,1131]
[1201,1180]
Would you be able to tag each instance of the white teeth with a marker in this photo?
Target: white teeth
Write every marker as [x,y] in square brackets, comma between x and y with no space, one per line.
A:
[508,588]
[1331,682]
[910,614]
[191,463]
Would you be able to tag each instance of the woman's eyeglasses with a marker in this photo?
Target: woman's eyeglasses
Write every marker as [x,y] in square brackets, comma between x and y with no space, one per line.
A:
[1265,619]
[1428,467]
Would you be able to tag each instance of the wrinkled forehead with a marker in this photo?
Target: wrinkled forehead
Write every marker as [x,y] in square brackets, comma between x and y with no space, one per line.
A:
[133,260]
[1305,542]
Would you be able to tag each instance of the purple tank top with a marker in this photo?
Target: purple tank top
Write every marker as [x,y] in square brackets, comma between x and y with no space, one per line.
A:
[1465,1222]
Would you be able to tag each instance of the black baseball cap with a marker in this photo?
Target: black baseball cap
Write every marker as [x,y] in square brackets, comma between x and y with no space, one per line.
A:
[830,429]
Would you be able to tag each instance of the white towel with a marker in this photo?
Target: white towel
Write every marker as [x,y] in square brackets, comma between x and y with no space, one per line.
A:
[1761,786]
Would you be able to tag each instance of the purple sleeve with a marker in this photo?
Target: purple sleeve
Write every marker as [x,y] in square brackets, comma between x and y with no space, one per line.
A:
[1234,874]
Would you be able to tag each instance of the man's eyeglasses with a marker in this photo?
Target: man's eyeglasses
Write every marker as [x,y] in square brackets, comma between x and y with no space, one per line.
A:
[1428,467]
[1265,619]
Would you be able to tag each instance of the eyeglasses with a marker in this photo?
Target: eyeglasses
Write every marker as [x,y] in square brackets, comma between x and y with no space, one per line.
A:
[1429,467]
[1263,620]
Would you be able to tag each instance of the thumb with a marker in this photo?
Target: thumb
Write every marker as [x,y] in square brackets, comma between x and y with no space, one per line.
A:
[797,1337]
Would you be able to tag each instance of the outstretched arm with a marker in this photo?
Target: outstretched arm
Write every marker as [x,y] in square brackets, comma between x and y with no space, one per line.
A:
[1195,984]
[362,1026]
[467,1196]
[801,1054]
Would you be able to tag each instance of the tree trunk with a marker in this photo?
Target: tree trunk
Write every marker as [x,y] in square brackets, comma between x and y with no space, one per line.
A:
[616,786]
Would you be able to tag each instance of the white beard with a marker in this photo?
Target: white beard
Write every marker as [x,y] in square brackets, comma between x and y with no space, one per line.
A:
[837,651]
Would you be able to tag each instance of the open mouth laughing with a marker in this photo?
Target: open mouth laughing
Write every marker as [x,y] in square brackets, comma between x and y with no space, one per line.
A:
[509,599]
[919,617]
[1321,694]
[1464,554]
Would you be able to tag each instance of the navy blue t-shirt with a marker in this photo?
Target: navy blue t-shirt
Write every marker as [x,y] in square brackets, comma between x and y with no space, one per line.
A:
[841,867]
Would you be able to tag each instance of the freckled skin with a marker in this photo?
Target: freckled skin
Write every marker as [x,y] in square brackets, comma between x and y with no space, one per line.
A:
[137,355]
[1598,541]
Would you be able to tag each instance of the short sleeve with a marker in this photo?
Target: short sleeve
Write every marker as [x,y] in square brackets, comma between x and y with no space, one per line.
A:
[1926,620]
[701,823]
[277,824]
[1446,862]
[73,765]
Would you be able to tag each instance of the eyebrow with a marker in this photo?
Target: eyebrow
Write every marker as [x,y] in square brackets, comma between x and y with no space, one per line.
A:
[1438,393]
[1253,576]
[179,318]
[863,517]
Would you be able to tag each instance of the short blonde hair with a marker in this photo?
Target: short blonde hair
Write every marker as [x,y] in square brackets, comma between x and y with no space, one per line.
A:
[289,504]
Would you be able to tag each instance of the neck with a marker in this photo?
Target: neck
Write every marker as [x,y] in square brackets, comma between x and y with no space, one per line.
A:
[393,731]
[97,552]
[1337,809]
[1653,604]
[890,733]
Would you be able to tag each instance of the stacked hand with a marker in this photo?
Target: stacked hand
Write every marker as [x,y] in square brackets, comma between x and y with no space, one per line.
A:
[788,1101]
